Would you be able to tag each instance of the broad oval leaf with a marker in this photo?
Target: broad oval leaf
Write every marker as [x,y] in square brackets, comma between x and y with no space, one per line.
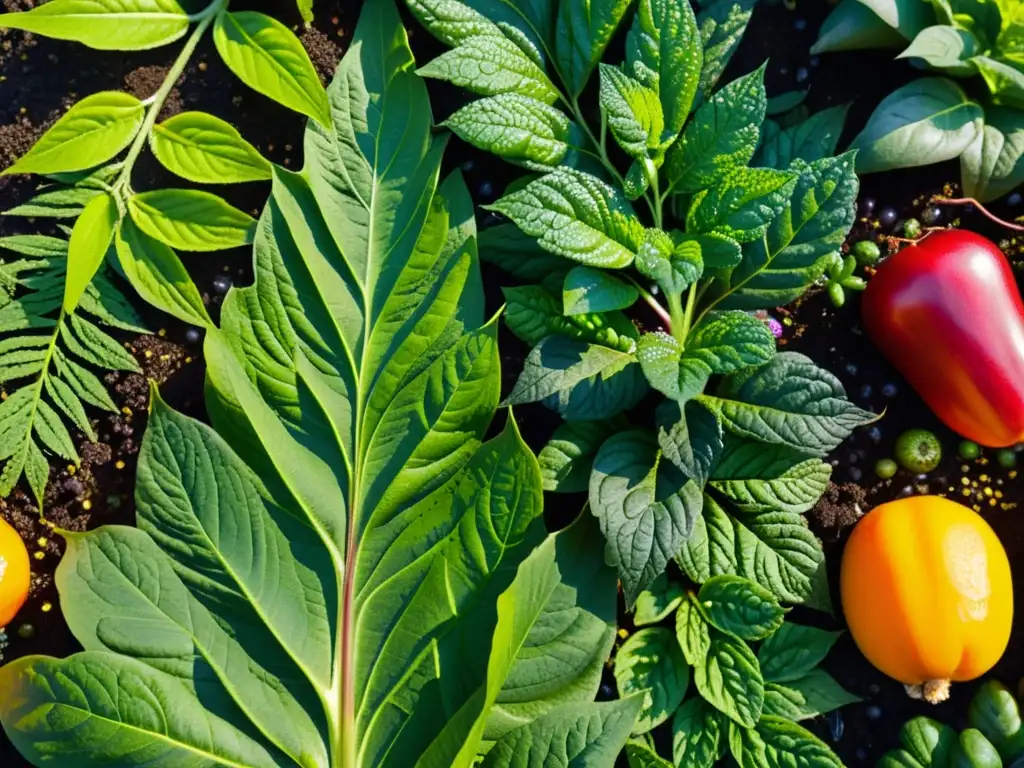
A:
[650,663]
[907,17]
[742,205]
[730,680]
[658,601]
[740,607]
[640,755]
[814,694]
[853,26]
[646,508]
[268,57]
[108,25]
[693,631]
[594,290]
[92,132]
[90,240]
[993,165]
[633,113]
[533,313]
[944,47]
[813,139]
[793,651]
[566,459]
[722,25]
[760,478]
[191,220]
[690,436]
[205,149]
[699,735]
[928,121]
[779,743]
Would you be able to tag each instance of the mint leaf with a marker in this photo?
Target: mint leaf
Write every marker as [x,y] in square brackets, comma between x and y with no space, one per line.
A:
[582,382]
[760,478]
[646,508]
[812,139]
[658,601]
[633,113]
[533,313]
[793,651]
[693,631]
[566,459]
[583,31]
[816,693]
[577,216]
[730,680]
[693,443]
[674,263]
[664,53]
[649,663]
[698,735]
[722,24]
[742,205]
[519,129]
[593,290]
[740,607]
[722,136]
[790,401]
[492,65]
[779,743]
[718,251]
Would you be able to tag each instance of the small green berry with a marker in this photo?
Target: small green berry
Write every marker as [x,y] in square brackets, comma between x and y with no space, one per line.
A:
[867,252]
[969,450]
[1007,458]
[912,228]
[918,450]
[26,631]
[836,294]
[886,468]
[854,283]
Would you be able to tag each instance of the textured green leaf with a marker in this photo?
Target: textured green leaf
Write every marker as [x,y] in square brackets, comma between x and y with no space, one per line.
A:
[583,31]
[730,680]
[853,26]
[633,113]
[693,631]
[722,136]
[508,247]
[533,314]
[693,443]
[577,216]
[664,53]
[905,16]
[57,204]
[742,205]
[674,263]
[809,140]
[90,133]
[779,743]
[944,47]
[1004,79]
[646,508]
[69,404]
[722,24]
[108,25]
[90,239]
[566,458]
[519,129]
[95,346]
[993,165]
[793,651]
[760,478]
[814,694]
[593,290]
[698,735]
[650,663]
[790,402]
[926,742]
[205,149]
[268,57]
[639,755]
[492,65]
[740,607]
[658,601]
[191,220]
[83,382]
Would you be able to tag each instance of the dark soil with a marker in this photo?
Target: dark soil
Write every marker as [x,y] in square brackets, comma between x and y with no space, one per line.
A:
[40,78]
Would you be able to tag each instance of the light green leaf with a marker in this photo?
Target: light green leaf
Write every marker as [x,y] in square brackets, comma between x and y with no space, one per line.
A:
[722,136]
[793,651]
[159,277]
[108,25]
[812,139]
[693,443]
[774,549]
[740,608]
[593,290]
[633,113]
[730,680]
[908,17]
[519,129]
[693,631]
[650,663]
[853,26]
[576,216]
[926,742]
[583,31]
[658,601]
[205,149]
[927,121]
[533,314]
[779,743]
[90,133]
[698,735]
[942,47]
[90,239]
[1005,79]
[664,53]
[722,24]
[191,220]
[492,66]
[95,346]
[66,203]
[742,205]
[566,459]
[675,264]
[639,755]
[789,401]
[646,508]
[268,57]
[760,478]
[816,693]
[993,165]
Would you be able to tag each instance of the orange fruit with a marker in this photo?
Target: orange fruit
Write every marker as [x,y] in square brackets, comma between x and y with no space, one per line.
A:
[14,573]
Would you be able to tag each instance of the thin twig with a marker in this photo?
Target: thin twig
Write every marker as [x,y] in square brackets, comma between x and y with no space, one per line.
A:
[981,209]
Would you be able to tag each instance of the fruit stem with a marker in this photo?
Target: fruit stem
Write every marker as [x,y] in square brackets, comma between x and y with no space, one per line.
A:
[932,691]
[981,209]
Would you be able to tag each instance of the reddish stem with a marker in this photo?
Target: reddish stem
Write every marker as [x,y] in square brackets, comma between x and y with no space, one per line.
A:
[981,208]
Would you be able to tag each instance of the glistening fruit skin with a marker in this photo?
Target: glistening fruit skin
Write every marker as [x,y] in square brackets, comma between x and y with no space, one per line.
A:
[948,315]
[926,591]
[918,450]
[14,573]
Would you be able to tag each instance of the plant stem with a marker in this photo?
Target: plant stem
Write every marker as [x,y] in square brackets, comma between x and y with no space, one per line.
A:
[652,302]
[658,202]
[600,144]
[675,308]
[981,209]
[156,102]
[691,303]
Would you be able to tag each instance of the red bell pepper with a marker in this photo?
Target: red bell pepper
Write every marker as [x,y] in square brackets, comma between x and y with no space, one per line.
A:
[948,315]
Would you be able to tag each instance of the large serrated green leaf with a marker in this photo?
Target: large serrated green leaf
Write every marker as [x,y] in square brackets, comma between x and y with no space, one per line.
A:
[759,478]
[191,220]
[740,607]
[566,458]
[698,735]
[633,113]
[534,313]
[730,680]
[722,25]
[205,149]
[779,743]
[812,139]
[742,205]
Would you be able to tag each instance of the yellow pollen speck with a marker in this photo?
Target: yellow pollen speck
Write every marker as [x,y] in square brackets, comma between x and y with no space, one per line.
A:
[188,359]
[992,502]
[72,469]
[967,491]
[47,607]
[119,464]
[42,541]
[39,555]
[86,505]
[162,332]
[202,66]
[1013,474]
[988,491]
[999,494]
[983,478]
[623,634]
[964,468]
[965,481]
[148,353]
[126,411]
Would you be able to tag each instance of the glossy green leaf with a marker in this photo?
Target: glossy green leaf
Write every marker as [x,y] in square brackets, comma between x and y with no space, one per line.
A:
[993,165]
[926,742]
[740,608]
[722,25]
[779,743]
[640,755]
[674,263]
[730,680]
[658,601]
[945,48]
[853,26]
[650,663]
[65,203]
[693,443]
[509,248]
[646,508]
[793,651]
[760,478]
[205,149]
[159,277]
[664,53]
[814,694]
[191,220]
[594,290]
[633,113]
[1005,79]
[576,216]
[908,17]
[108,25]
[742,205]
[566,459]
[722,136]
[785,102]
[268,57]
[584,29]
[533,313]
[928,121]
[995,713]
[698,735]
[90,133]
[809,140]
[90,239]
